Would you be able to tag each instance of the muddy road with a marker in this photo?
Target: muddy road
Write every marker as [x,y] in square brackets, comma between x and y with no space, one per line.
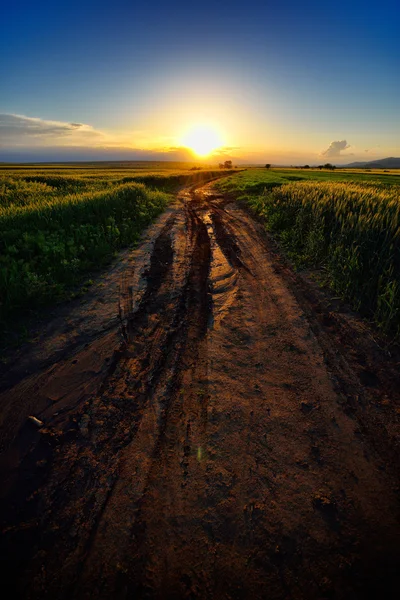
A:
[227,436]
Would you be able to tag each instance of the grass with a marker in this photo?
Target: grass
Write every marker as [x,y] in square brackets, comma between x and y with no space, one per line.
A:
[348,224]
[67,179]
[58,224]
[253,181]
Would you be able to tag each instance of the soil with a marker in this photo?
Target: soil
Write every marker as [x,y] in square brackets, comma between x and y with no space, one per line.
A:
[207,424]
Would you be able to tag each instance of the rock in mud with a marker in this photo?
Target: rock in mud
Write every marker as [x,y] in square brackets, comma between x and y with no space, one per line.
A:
[84,425]
[35,421]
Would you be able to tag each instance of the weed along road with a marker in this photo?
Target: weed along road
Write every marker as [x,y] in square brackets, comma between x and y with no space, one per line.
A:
[226,436]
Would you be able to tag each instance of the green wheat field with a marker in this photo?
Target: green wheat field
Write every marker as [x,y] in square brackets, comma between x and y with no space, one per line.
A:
[345,223]
[60,223]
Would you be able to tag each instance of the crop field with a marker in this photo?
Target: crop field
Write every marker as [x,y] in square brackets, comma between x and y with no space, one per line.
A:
[253,181]
[57,223]
[347,223]
[78,177]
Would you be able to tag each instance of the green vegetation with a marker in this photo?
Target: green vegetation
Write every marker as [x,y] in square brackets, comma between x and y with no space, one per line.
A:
[59,223]
[350,229]
[253,181]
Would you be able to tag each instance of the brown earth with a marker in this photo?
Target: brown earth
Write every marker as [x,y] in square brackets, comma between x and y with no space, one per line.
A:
[227,432]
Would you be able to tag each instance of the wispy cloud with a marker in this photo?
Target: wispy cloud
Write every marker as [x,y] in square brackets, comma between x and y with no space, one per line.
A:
[61,153]
[20,129]
[21,133]
[335,149]
[371,150]
[226,152]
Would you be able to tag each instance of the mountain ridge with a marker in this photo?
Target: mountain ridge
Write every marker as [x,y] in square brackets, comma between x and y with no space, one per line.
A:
[384,163]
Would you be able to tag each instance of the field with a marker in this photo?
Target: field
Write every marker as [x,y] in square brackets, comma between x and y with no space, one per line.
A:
[58,223]
[347,223]
[254,180]
[204,421]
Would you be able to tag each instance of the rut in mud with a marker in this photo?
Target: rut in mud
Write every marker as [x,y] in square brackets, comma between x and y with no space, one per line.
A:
[216,444]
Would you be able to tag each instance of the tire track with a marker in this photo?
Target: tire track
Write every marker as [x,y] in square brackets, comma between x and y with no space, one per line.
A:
[214,457]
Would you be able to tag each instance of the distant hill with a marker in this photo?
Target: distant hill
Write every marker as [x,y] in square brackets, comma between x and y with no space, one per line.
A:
[384,163]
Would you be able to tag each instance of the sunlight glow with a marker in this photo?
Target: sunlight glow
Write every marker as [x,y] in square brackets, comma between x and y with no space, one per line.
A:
[202,139]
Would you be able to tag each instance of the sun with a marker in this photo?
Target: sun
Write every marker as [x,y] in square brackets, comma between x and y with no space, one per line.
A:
[202,139]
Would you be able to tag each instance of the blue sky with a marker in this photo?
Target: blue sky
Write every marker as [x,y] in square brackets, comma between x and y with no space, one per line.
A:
[280,83]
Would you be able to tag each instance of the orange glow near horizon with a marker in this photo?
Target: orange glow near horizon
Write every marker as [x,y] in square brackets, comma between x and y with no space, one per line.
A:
[202,139]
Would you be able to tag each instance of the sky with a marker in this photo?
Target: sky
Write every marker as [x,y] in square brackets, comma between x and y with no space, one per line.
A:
[284,83]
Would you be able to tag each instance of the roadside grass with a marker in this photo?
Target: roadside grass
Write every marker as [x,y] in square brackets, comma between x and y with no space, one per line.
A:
[349,229]
[59,225]
[49,243]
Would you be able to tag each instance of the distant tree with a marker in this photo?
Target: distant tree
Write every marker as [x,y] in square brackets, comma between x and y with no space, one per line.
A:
[228,164]
[306,167]
[221,166]
[267,166]
[329,166]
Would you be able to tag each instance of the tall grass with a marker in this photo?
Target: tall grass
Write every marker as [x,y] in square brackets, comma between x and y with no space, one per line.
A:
[254,181]
[70,181]
[58,223]
[48,242]
[352,230]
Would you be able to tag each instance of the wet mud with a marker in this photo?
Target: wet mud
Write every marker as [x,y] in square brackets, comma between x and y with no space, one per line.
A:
[225,436]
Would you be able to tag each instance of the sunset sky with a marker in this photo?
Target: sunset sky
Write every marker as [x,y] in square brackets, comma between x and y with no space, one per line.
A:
[285,83]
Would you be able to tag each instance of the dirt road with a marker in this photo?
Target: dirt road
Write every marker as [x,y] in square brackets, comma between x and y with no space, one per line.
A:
[227,437]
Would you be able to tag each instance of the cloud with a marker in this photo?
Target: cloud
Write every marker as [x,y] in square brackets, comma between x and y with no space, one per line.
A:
[66,153]
[28,139]
[335,148]
[16,130]
[226,152]
[371,150]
